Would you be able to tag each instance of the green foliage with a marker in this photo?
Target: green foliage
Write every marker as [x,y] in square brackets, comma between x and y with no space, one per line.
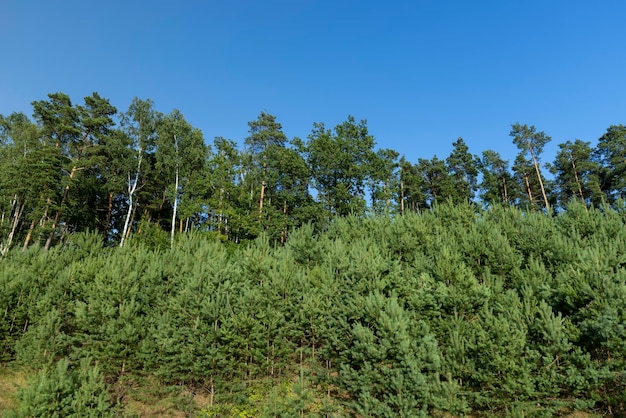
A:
[454,310]
[64,391]
[388,365]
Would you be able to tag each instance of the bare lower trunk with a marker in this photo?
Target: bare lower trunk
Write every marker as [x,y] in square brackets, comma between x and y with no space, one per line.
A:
[132,189]
[283,235]
[580,189]
[530,194]
[543,190]
[261,199]
[175,204]
[29,235]
[17,214]
[107,225]
[506,194]
[57,217]
[402,197]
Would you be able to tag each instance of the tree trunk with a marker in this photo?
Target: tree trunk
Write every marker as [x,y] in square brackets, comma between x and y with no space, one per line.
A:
[506,194]
[262,190]
[107,224]
[402,197]
[261,200]
[132,189]
[543,190]
[175,197]
[530,194]
[17,214]
[29,235]
[57,217]
[580,189]
[283,235]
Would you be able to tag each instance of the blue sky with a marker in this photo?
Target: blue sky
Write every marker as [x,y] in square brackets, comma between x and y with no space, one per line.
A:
[422,72]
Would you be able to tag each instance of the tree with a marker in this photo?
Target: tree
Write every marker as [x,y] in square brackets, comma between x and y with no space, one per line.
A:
[223,171]
[293,203]
[390,364]
[384,180]
[576,174]
[438,183]
[76,131]
[526,181]
[265,141]
[610,154]
[340,165]
[140,125]
[497,184]
[31,169]
[530,141]
[463,167]
[412,187]
[180,154]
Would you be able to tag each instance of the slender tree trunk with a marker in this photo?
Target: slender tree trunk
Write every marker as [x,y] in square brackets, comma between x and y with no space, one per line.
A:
[17,209]
[107,225]
[44,217]
[57,217]
[261,199]
[543,190]
[283,235]
[145,219]
[262,189]
[506,194]
[580,189]
[132,189]
[402,197]
[175,196]
[530,194]
[29,235]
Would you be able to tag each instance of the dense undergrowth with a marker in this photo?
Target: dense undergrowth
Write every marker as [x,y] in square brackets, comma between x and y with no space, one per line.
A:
[454,311]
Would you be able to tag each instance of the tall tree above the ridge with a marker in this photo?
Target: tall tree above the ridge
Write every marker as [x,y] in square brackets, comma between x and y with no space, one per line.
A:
[180,157]
[265,139]
[412,187]
[224,188]
[140,125]
[576,174]
[530,141]
[438,182]
[293,204]
[529,194]
[76,131]
[340,165]
[463,167]
[610,153]
[384,181]
[31,172]
[116,154]
[497,186]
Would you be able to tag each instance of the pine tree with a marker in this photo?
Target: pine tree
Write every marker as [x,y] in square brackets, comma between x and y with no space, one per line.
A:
[530,142]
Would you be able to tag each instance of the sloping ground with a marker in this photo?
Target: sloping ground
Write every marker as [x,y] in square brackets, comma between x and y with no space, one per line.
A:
[10,381]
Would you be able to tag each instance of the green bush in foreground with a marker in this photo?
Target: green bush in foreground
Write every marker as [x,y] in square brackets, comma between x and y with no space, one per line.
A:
[60,391]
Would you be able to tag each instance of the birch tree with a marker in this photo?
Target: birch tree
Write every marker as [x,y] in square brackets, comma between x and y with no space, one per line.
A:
[180,153]
[140,124]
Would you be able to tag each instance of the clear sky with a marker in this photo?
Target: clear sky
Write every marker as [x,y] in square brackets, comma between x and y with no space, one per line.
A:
[422,72]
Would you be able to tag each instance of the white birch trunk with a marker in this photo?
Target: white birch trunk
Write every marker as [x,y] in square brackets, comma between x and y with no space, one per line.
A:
[175,195]
[132,189]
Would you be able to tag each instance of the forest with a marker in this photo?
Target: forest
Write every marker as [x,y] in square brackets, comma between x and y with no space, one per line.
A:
[144,271]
